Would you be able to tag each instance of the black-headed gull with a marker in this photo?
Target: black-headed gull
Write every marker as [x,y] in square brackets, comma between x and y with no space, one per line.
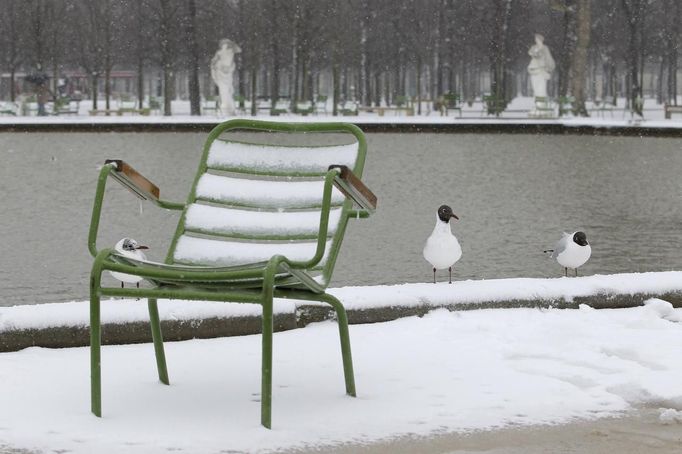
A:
[571,251]
[442,249]
[128,247]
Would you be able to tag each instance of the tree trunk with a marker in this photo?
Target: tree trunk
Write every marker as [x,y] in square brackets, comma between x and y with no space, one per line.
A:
[377,89]
[12,88]
[193,81]
[254,97]
[634,12]
[140,84]
[579,64]
[167,90]
[419,84]
[107,85]
[95,89]
[673,38]
[336,75]
[498,52]
[364,60]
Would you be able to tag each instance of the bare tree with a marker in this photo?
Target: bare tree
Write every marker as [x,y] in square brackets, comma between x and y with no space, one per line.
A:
[164,15]
[193,58]
[579,63]
[498,53]
[13,42]
[634,11]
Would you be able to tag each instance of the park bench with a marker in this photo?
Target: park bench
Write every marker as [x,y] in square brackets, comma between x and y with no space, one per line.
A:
[107,112]
[9,108]
[542,107]
[601,107]
[381,110]
[132,110]
[492,105]
[210,104]
[565,105]
[66,107]
[348,108]
[320,104]
[449,101]
[129,106]
[671,109]
[265,218]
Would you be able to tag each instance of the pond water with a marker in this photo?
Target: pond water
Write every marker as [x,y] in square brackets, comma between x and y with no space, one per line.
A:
[514,195]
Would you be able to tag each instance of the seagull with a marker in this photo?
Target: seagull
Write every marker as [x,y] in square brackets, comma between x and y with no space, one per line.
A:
[128,247]
[571,251]
[442,249]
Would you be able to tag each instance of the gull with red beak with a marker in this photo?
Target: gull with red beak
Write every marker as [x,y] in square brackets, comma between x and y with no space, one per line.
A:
[442,249]
[128,247]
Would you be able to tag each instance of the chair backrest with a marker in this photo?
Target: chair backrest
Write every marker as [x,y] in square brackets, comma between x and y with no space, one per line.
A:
[258,192]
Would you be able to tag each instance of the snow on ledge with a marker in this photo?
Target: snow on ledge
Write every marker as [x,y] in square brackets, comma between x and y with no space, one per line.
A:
[473,292]
[493,290]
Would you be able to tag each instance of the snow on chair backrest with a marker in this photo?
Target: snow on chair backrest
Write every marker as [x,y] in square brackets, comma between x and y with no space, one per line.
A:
[256,198]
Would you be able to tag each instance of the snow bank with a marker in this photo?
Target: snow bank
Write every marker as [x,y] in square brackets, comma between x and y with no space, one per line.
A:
[444,372]
[362,298]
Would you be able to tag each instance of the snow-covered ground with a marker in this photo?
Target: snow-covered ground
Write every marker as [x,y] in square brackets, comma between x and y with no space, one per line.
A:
[517,112]
[445,372]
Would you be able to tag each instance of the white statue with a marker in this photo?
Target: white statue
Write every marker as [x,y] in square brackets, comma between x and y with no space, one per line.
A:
[540,67]
[222,69]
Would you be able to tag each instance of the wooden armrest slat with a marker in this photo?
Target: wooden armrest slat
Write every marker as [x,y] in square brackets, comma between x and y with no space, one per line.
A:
[133,180]
[354,188]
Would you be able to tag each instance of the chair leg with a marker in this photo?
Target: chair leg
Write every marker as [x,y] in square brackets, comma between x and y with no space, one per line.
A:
[342,319]
[266,358]
[95,348]
[157,336]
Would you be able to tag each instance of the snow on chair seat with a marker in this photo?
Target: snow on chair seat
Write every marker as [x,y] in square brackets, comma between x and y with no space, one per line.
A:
[203,251]
[263,193]
[278,160]
[240,223]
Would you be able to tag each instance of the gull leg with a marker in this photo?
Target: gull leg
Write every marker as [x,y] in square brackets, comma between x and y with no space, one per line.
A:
[121,284]
[450,270]
[434,274]
[576,272]
[566,271]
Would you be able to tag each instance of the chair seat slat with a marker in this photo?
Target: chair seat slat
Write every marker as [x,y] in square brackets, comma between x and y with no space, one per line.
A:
[203,251]
[278,160]
[255,224]
[263,193]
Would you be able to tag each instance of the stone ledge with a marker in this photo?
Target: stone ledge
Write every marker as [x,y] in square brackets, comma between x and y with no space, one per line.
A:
[301,316]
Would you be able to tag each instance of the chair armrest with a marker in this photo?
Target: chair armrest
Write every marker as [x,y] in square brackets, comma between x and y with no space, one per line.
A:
[138,184]
[353,188]
[132,180]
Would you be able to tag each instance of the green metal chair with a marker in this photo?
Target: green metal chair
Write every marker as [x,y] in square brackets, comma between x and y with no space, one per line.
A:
[262,221]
